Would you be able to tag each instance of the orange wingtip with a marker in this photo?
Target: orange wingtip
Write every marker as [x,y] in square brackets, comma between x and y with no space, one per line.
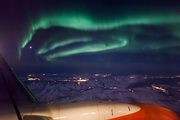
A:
[150,112]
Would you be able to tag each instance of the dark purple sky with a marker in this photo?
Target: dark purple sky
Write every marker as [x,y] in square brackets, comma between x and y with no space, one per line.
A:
[123,37]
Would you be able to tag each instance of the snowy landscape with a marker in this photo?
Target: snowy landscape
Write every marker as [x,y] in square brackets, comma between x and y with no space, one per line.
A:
[162,90]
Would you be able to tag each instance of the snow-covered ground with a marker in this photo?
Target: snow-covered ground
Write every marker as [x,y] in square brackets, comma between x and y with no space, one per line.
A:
[160,91]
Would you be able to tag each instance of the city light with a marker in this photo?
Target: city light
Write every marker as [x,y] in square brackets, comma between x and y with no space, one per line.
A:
[33,79]
[158,88]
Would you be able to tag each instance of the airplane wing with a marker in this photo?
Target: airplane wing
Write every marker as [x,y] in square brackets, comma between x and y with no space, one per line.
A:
[12,91]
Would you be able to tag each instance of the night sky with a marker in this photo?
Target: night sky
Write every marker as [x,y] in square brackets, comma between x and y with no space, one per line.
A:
[91,36]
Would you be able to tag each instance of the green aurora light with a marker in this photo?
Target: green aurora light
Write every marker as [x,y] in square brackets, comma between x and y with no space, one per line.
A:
[94,47]
[86,21]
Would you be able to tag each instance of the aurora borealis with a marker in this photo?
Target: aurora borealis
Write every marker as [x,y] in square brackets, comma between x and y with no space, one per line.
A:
[67,31]
[119,29]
